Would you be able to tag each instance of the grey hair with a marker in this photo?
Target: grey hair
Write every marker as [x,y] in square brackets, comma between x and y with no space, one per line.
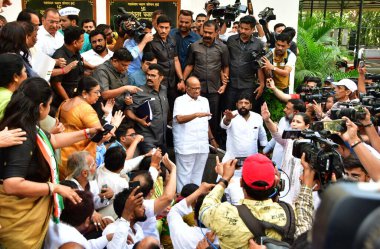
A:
[77,162]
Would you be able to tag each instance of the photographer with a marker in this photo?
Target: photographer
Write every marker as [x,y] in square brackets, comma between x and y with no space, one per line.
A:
[140,34]
[354,170]
[368,156]
[283,64]
[290,165]
[259,183]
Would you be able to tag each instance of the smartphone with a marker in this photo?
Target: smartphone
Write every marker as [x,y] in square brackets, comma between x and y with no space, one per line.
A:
[103,191]
[99,135]
[133,185]
[361,64]
[240,161]
[333,126]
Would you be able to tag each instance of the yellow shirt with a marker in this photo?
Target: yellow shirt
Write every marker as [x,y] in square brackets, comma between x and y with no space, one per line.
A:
[224,219]
[280,81]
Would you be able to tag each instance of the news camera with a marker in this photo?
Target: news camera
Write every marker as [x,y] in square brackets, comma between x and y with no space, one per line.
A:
[352,110]
[129,24]
[227,13]
[320,153]
[266,15]
[258,55]
[320,95]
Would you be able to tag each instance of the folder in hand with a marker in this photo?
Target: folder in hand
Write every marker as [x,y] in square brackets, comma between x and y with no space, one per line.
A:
[144,110]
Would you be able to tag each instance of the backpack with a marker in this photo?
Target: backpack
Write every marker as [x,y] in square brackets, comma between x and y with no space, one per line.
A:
[257,227]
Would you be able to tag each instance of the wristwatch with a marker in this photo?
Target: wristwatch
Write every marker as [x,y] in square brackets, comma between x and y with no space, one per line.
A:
[224,181]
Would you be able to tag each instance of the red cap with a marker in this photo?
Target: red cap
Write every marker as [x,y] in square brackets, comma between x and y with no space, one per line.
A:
[258,168]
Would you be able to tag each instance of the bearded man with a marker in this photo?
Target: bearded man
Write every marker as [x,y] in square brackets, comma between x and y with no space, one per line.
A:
[244,129]
[99,52]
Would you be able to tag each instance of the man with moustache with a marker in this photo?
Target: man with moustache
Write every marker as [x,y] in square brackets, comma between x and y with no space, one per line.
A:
[283,63]
[191,133]
[82,168]
[165,49]
[244,129]
[208,60]
[154,130]
[99,52]
[184,36]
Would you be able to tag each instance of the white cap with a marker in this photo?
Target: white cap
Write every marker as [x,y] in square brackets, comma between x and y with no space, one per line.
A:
[69,11]
[347,83]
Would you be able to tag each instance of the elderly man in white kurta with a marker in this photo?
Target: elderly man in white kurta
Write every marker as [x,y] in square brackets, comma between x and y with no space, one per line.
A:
[191,134]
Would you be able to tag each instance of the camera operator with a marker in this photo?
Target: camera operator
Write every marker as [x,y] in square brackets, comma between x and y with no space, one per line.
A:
[258,182]
[367,155]
[354,170]
[136,44]
[283,64]
[292,107]
[290,164]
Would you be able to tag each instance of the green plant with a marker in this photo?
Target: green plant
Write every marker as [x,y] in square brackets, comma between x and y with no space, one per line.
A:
[318,52]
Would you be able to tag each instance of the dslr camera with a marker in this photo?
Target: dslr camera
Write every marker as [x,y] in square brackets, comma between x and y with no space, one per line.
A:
[257,55]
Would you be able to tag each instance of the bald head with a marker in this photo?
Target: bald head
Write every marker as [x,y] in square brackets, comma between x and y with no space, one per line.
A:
[193,87]
[148,243]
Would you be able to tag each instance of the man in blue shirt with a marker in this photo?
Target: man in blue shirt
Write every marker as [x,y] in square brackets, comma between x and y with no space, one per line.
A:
[136,46]
[184,36]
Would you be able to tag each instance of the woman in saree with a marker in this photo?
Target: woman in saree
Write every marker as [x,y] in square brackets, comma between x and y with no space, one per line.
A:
[30,193]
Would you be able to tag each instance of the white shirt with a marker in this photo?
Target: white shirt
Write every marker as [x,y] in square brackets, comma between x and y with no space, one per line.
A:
[150,225]
[121,229]
[47,43]
[94,58]
[95,190]
[113,180]
[61,233]
[278,150]
[182,235]
[191,137]
[242,135]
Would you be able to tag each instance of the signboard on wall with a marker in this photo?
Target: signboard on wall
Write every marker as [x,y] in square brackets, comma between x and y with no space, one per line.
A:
[87,7]
[143,9]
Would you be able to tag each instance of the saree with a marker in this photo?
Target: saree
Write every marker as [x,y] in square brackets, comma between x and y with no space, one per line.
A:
[24,221]
[77,118]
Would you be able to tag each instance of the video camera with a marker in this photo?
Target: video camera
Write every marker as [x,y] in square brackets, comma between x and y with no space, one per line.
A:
[352,110]
[129,24]
[320,95]
[227,13]
[320,153]
[257,55]
[266,15]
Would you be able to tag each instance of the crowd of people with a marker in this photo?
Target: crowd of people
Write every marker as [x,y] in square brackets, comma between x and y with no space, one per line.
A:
[110,150]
